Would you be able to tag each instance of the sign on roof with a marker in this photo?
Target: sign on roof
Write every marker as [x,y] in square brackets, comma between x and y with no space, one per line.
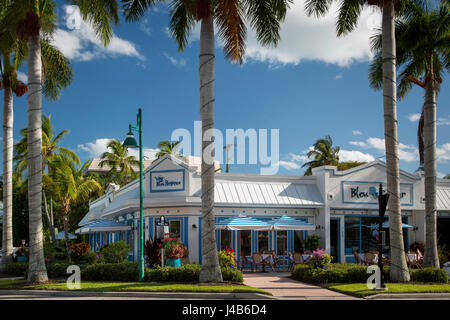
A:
[167,180]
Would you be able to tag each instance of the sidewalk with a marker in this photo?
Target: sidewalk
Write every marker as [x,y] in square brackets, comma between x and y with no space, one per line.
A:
[282,287]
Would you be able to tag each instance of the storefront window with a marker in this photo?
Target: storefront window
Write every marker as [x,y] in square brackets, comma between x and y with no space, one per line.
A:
[175,227]
[298,240]
[263,241]
[352,238]
[225,239]
[246,242]
[282,242]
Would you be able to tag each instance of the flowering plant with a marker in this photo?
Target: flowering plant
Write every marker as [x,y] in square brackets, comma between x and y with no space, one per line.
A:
[173,248]
[226,258]
[320,257]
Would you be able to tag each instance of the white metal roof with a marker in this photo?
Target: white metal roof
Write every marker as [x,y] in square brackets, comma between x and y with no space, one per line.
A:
[279,194]
[443,198]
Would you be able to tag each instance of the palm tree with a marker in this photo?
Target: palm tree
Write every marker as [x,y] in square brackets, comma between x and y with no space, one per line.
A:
[50,147]
[323,153]
[349,11]
[120,162]
[264,17]
[11,58]
[423,51]
[71,187]
[168,147]
[31,19]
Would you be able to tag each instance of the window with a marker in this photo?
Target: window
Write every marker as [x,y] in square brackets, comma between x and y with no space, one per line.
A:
[263,241]
[282,242]
[175,227]
[225,239]
[299,236]
[246,242]
[352,228]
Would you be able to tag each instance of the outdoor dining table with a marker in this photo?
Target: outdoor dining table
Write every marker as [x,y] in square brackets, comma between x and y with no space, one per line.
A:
[268,259]
[306,257]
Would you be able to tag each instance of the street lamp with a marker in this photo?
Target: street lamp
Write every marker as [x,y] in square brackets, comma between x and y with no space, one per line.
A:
[130,142]
[382,204]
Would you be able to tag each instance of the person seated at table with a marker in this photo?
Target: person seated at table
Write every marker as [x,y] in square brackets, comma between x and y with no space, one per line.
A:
[275,259]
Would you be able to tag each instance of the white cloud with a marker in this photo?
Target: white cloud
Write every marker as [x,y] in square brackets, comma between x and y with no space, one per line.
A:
[339,76]
[96,148]
[357,132]
[406,153]
[443,121]
[440,175]
[309,38]
[22,77]
[288,165]
[298,157]
[353,155]
[413,117]
[176,62]
[443,153]
[82,44]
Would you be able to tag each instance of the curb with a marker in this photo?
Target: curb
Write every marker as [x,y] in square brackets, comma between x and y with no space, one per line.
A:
[412,296]
[137,295]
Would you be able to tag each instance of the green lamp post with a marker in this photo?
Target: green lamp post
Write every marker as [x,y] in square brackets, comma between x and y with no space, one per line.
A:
[130,142]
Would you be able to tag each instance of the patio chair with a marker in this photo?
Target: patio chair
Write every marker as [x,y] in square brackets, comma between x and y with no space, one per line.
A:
[298,258]
[258,261]
[276,261]
[371,258]
[244,261]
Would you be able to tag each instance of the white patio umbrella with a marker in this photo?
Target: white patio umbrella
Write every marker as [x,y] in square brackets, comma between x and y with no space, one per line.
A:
[242,222]
[289,223]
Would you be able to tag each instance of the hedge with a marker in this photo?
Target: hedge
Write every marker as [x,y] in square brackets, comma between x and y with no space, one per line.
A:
[353,273]
[127,271]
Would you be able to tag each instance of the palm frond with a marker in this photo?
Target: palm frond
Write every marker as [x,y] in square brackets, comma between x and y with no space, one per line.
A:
[133,10]
[232,31]
[349,12]
[317,8]
[181,23]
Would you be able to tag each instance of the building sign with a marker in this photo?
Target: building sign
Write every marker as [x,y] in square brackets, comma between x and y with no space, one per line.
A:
[167,180]
[367,192]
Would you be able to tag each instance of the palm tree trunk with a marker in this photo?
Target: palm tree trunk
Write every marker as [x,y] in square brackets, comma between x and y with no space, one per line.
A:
[399,269]
[51,227]
[210,271]
[37,271]
[7,240]
[66,234]
[431,258]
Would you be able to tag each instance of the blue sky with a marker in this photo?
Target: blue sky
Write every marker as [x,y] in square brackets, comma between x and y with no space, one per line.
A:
[311,85]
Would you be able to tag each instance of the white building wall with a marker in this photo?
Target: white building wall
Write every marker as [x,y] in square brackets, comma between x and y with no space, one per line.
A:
[193,239]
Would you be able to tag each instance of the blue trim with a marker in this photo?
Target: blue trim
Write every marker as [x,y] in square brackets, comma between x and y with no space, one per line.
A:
[186,231]
[150,227]
[377,182]
[171,190]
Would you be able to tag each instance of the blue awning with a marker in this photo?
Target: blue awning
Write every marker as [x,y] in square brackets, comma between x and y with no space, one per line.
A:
[242,222]
[289,223]
[61,236]
[103,226]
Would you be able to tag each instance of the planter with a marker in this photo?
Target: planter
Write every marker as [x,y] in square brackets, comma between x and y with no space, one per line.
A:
[173,262]
[22,259]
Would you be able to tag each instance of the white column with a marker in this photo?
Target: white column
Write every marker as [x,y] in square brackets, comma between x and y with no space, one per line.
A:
[193,239]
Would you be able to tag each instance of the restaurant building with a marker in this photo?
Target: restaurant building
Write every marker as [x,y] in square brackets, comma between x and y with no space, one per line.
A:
[342,205]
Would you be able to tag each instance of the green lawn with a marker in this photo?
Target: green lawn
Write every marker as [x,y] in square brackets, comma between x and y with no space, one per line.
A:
[360,289]
[130,286]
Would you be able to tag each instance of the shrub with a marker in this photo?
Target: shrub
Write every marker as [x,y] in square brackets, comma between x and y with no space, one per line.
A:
[126,271]
[152,253]
[90,257]
[429,275]
[17,268]
[22,251]
[442,254]
[312,242]
[334,273]
[320,257]
[79,250]
[116,252]
[186,273]
[226,258]
[231,274]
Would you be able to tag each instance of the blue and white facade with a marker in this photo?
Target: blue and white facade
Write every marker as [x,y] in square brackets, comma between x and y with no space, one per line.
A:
[341,204]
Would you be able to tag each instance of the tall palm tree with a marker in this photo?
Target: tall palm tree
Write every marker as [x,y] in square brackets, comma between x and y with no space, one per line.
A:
[11,58]
[68,179]
[120,162]
[323,153]
[264,17]
[423,52]
[31,19]
[50,147]
[349,11]
[168,147]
